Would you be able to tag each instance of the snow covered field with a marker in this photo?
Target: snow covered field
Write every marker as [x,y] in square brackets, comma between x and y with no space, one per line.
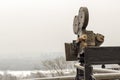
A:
[27,73]
[45,72]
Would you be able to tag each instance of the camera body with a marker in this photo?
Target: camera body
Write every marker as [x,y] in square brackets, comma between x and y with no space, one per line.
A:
[87,39]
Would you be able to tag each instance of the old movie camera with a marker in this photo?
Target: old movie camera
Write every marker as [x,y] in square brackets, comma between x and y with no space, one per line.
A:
[86,49]
[85,38]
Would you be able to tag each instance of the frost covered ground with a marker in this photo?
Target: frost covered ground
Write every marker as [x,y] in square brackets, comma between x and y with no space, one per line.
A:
[28,73]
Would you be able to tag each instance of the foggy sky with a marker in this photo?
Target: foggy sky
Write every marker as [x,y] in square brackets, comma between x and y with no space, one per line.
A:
[35,26]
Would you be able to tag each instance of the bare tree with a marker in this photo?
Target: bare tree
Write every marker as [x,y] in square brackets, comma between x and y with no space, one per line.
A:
[7,76]
[57,66]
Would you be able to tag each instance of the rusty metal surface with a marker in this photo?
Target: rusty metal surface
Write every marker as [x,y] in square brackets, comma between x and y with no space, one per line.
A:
[99,39]
[83,17]
[81,20]
[102,55]
[76,25]
[90,38]
[70,52]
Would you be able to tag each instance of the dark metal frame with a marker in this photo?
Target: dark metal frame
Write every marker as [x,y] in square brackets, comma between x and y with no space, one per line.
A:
[98,55]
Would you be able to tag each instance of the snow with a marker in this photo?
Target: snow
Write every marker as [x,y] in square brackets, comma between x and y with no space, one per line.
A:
[26,73]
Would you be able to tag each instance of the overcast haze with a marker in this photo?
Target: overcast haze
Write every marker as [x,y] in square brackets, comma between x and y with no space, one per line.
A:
[35,26]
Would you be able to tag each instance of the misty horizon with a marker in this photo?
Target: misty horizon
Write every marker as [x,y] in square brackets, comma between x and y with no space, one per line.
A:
[30,28]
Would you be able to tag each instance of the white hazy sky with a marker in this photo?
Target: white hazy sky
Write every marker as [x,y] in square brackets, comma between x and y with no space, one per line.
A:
[35,26]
